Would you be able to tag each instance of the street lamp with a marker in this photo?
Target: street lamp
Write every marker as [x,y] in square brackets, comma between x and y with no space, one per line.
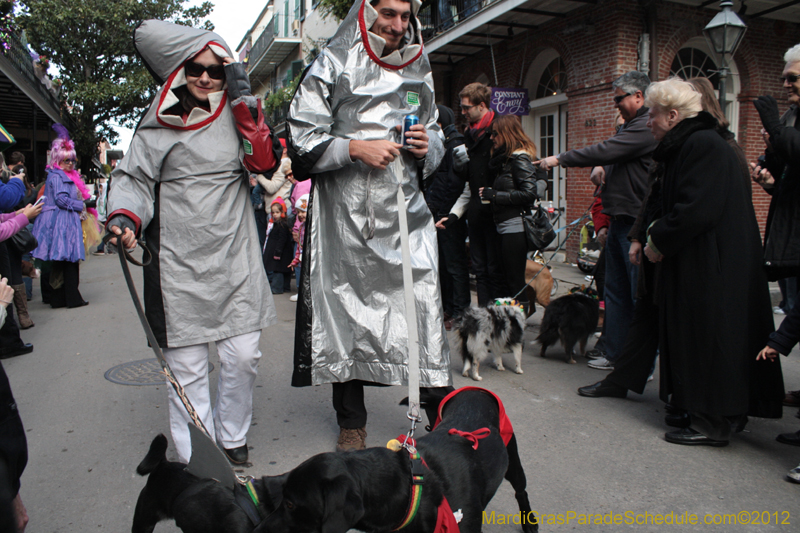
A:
[724,34]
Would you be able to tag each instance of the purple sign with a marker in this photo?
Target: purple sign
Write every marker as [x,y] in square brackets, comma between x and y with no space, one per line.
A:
[507,101]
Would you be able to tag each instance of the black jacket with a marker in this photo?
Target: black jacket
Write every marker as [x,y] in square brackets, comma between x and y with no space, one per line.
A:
[279,244]
[444,187]
[782,233]
[514,186]
[629,153]
[479,148]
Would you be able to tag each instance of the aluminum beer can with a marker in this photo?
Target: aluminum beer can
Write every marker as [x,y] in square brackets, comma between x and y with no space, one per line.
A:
[408,121]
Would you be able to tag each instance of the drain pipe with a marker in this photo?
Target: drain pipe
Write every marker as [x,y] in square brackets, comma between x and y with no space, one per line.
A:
[650,17]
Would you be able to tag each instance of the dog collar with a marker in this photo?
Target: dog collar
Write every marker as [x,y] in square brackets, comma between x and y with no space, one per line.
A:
[246,497]
[417,479]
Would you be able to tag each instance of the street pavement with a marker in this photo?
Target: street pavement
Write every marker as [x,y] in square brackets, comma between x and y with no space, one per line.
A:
[86,435]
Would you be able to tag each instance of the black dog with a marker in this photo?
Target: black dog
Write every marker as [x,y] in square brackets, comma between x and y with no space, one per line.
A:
[370,490]
[570,318]
[197,505]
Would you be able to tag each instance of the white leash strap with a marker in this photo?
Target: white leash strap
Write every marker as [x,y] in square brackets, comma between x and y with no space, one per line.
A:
[411,311]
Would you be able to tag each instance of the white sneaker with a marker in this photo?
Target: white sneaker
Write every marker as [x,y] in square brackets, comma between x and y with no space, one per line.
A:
[601,364]
[794,474]
[778,311]
[650,378]
[293,298]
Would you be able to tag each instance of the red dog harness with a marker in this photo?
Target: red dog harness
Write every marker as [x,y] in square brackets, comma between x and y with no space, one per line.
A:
[445,519]
[506,429]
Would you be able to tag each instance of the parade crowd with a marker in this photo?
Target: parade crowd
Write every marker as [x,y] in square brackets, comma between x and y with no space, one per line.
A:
[230,223]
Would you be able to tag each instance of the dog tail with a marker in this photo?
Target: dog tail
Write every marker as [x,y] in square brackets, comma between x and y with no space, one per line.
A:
[157,453]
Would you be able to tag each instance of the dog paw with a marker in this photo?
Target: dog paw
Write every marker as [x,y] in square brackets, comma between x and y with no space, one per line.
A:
[518,370]
[476,377]
[501,368]
[572,361]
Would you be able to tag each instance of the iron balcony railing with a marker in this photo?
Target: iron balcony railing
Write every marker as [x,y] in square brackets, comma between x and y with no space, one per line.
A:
[279,26]
[437,16]
[21,60]
[279,115]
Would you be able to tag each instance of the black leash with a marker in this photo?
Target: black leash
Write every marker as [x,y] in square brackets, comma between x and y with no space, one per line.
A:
[124,258]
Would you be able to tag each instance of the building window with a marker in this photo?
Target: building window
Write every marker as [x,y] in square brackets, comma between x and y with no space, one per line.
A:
[553,80]
[694,63]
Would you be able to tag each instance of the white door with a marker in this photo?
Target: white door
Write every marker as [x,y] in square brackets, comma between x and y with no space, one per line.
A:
[547,126]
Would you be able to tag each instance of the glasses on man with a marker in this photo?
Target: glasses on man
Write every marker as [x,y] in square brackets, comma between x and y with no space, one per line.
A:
[791,78]
[620,98]
[195,70]
[466,107]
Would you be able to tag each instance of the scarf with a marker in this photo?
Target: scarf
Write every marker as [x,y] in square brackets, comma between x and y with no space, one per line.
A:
[479,130]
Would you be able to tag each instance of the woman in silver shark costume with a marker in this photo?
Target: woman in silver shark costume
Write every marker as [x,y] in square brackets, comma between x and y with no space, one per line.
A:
[351,322]
[184,185]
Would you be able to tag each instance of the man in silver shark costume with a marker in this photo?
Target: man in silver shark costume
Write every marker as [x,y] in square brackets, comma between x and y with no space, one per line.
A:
[351,324]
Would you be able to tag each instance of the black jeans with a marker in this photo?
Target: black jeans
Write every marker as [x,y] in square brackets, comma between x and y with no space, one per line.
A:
[9,332]
[639,352]
[68,294]
[348,401]
[484,248]
[453,268]
[515,257]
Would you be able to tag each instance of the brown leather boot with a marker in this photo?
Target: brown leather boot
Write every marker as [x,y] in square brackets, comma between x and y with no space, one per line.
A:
[351,439]
[21,303]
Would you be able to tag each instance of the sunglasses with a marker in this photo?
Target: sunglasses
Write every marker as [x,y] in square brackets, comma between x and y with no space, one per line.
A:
[195,70]
[791,78]
[620,98]
[492,134]
[73,161]
[465,107]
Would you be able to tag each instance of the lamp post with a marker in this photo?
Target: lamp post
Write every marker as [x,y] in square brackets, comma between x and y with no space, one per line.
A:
[724,34]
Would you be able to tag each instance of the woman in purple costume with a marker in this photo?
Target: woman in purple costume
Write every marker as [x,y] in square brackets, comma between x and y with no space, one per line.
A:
[58,229]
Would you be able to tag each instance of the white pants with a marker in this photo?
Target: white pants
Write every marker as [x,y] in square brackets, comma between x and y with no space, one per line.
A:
[233,409]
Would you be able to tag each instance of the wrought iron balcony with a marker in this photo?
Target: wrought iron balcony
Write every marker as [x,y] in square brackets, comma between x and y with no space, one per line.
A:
[280,37]
[437,16]
[17,65]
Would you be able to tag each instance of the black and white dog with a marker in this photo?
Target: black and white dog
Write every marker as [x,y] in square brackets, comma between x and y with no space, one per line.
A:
[570,318]
[499,327]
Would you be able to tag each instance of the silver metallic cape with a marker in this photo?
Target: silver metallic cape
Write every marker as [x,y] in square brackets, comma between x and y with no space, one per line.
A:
[186,183]
[351,322]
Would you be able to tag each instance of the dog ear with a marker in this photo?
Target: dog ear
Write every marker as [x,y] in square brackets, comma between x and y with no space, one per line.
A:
[343,504]
[273,491]
[156,454]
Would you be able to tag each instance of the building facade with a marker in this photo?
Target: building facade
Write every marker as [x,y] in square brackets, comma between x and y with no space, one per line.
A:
[567,53]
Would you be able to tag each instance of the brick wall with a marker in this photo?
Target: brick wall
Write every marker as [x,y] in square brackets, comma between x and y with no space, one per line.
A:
[598,43]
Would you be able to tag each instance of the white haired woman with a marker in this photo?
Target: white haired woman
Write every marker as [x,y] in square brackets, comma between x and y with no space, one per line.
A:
[711,289]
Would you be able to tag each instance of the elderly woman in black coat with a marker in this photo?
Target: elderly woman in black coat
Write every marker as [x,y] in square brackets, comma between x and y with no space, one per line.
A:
[712,292]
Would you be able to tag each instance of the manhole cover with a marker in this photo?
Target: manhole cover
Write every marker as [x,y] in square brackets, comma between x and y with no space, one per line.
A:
[144,372]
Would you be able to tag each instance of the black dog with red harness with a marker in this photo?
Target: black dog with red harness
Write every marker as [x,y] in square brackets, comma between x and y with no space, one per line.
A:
[460,466]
